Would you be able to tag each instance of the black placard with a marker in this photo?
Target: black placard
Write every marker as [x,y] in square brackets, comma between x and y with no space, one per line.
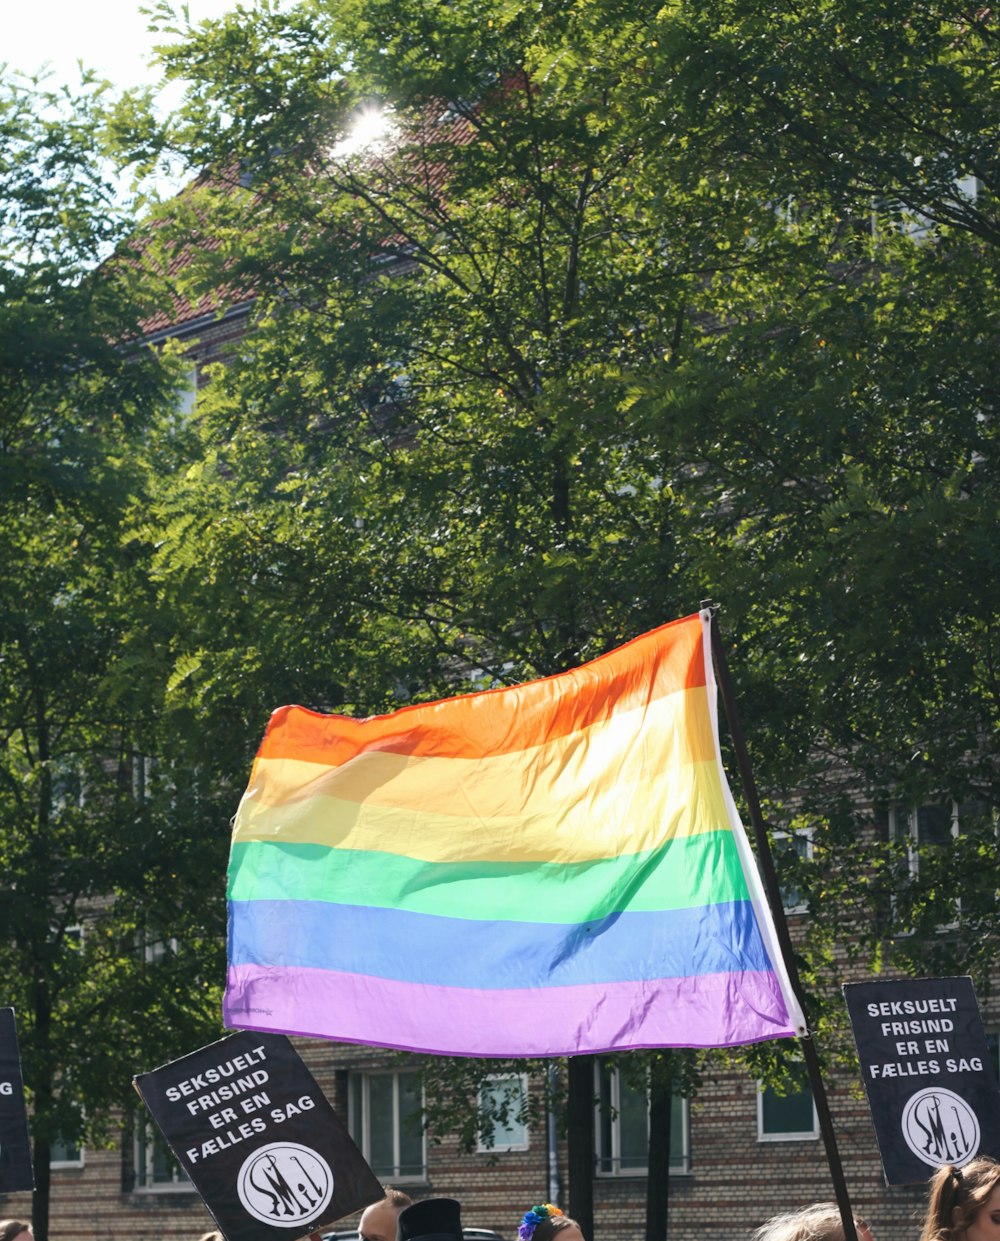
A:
[15,1146]
[251,1128]
[926,1068]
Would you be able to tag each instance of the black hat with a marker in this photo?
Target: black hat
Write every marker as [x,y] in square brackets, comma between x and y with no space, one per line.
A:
[434,1219]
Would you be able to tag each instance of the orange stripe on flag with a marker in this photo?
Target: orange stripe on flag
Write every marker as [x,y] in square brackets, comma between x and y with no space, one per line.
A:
[655,665]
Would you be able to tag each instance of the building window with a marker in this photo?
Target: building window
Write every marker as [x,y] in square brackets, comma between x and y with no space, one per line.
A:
[384,1117]
[155,1166]
[142,776]
[935,827]
[790,850]
[65,1155]
[67,785]
[156,951]
[153,947]
[927,826]
[187,391]
[502,1097]
[622,1128]
[918,226]
[786,1118]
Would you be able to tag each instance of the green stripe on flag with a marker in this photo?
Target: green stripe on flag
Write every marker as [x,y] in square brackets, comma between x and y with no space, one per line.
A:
[685,873]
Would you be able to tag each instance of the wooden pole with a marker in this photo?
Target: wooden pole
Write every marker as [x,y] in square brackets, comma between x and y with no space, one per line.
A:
[770,878]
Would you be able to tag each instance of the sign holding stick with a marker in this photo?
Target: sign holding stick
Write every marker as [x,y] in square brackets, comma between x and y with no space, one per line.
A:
[926,1069]
[15,1148]
[251,1128]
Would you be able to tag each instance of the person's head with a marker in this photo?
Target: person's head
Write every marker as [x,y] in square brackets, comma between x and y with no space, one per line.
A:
[378,1222]
[214,1235]
[545,1222]
[15,1230]
[964,1203]
[819,1222]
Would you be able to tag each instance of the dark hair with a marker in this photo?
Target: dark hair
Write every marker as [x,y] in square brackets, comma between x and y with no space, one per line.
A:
[956,1197]
[396,1198]
[11,1228]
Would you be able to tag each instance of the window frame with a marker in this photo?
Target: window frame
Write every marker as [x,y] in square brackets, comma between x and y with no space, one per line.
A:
[495,1147]
[613,1157]
[146,1141]
[186,396]
[156,951]
[62,1165]
[904,824]
[808,835]
[788,1135]
[360,1126]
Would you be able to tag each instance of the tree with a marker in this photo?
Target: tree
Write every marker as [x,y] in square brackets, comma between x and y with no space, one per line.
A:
[854,456]
[865,112]
[468,413]
[596,325]
[862,495]
[457,319]
[93,845]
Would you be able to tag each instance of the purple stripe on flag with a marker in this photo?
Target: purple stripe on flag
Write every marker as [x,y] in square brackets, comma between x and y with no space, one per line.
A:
[713,1010]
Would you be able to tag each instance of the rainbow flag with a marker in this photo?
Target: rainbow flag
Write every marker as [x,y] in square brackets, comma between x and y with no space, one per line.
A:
[550,869]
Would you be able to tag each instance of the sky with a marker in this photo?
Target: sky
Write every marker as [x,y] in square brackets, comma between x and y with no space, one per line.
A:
[109,36]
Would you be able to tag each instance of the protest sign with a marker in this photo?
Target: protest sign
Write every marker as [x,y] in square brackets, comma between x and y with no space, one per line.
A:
[15,1147]
[926,1068]
[248,1124]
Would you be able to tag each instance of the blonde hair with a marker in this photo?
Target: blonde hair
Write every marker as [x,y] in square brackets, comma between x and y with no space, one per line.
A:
[956,1197]
[819,1222]
[552,1226]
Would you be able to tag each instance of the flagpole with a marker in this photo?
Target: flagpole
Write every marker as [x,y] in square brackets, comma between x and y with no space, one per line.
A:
[770,878]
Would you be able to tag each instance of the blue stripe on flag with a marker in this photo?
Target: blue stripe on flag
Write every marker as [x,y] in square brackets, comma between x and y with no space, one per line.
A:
[425,948]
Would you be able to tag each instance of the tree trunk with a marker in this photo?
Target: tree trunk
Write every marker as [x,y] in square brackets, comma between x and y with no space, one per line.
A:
[658,1177]
[42,1089]
[41,1083]
[40,1197]
[580,1126]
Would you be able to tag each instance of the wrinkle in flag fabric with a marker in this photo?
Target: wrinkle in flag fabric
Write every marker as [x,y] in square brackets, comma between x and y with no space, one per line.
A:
[553,868]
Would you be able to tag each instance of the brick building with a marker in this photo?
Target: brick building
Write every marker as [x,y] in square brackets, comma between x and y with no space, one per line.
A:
[738,1156]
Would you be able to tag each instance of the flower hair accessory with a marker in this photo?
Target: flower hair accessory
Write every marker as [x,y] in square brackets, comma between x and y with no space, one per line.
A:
[533,1218]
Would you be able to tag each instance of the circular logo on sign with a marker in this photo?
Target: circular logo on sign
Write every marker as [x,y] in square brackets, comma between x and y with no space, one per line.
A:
[940,1127]
[285,1184]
